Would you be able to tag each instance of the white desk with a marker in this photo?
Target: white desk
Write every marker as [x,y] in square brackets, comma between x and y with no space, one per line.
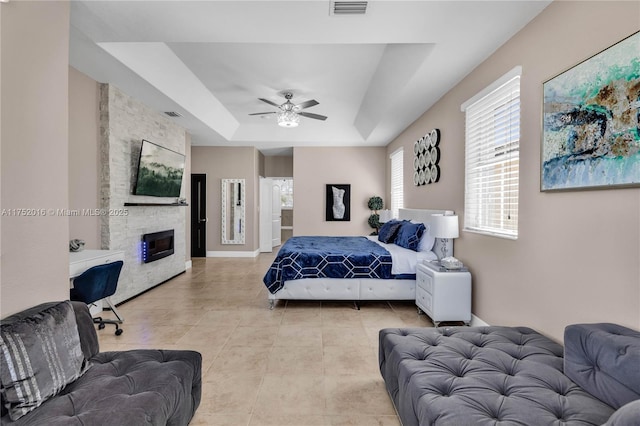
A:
[80,261]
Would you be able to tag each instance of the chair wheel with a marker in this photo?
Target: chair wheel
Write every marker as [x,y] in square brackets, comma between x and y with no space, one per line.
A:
[101,326]
[119,332]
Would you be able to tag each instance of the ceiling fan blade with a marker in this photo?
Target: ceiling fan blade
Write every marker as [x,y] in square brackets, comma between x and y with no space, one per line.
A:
[269,102]
[314,116]
[263,113]
[307,104]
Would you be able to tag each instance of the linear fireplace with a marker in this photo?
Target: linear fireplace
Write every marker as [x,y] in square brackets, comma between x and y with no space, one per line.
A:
[157,245]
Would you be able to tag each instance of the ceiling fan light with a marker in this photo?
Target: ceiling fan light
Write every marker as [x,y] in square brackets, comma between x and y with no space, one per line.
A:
[288,119]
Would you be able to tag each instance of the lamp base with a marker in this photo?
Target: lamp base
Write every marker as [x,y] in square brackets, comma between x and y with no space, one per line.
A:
[444,249]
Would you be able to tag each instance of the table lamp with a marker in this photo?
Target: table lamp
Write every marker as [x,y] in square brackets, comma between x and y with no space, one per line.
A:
[444,227]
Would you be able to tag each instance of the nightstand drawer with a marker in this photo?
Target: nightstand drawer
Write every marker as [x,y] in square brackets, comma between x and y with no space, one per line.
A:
[424,300]
[425,282]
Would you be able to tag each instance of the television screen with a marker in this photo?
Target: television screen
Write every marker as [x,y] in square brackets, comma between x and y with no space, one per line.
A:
[159,171]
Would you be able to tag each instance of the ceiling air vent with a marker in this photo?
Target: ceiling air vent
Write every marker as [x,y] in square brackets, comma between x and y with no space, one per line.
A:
[173,114]
[348,7]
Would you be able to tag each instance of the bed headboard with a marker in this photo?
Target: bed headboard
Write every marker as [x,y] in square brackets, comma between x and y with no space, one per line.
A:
[424,216]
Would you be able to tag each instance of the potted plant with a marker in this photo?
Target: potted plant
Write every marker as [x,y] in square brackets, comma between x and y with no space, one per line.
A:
[375,203]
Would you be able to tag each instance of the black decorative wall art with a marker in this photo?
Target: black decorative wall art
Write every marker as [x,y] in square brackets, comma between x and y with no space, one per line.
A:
[426,152]
[338,202]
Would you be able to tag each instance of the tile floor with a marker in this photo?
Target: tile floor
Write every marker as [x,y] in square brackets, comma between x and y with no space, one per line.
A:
[302,364]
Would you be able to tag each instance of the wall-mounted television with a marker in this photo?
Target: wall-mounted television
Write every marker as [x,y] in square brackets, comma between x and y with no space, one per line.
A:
[160,171]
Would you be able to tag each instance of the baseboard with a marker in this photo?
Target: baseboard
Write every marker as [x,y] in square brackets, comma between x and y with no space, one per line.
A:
[148,289]
[188,264]
[233,253]
[477,322]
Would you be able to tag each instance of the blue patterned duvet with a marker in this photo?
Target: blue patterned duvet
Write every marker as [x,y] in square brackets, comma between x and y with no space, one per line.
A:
[328,257]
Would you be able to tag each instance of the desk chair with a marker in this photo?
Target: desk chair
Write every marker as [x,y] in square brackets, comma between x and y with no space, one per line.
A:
[98,283]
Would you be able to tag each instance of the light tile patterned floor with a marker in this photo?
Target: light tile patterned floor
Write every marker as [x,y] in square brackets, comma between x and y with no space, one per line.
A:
[303,363]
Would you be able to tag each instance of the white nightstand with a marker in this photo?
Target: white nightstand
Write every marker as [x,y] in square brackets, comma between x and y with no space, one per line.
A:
[444,295]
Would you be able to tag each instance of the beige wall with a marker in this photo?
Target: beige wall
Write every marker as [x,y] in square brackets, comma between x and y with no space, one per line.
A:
[261,164]
[34,172]
[577,255]
[278,166]
[187,193]
[84,182]
[228,163]
[314,168]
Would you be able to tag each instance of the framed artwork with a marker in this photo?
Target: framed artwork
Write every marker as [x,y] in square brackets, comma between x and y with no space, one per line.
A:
[426,157]
[591,122]
[338,203]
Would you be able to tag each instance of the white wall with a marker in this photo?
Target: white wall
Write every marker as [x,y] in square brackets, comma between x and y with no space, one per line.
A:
[34,173]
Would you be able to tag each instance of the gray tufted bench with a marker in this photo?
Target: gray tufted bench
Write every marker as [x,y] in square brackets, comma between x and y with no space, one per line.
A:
[512,375]
[136,387]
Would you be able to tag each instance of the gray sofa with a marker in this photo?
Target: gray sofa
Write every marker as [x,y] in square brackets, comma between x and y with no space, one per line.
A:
[512,376]
[53,374]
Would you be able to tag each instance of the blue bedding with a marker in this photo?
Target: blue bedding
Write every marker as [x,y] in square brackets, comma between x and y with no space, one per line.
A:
[328,257]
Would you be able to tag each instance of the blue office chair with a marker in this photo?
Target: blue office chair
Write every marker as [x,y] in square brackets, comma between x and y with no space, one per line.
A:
[98,283]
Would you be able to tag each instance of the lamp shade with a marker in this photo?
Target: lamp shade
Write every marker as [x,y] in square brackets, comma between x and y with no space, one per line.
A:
[385,216]
[444,226]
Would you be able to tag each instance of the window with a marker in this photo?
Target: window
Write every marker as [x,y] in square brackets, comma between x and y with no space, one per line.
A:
[492,158]
[397,185]
[286,191]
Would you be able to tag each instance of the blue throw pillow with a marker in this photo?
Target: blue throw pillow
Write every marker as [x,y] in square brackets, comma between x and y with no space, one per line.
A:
[409,235]
[388,231]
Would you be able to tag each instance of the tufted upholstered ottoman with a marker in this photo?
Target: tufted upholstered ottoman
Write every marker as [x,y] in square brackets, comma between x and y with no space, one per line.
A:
[501,375]
[136,387]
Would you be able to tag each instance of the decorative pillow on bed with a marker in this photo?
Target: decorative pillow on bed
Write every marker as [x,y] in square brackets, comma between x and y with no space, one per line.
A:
[409,235]
[388,231]
[39,356]
[427,240]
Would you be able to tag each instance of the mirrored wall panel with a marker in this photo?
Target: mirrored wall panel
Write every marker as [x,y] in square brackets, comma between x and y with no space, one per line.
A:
[233,223]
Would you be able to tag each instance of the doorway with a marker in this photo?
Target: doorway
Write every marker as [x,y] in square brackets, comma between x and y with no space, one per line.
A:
[199,215]
[286,203]
[270,215]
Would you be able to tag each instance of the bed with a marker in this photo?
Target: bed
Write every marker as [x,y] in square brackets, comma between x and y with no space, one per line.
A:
[304,269]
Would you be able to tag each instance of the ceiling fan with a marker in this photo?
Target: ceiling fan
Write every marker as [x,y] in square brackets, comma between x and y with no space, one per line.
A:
[289,114]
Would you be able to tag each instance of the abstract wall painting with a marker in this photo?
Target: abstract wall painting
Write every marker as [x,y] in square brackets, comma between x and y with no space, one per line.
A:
[338,203]
[591,122]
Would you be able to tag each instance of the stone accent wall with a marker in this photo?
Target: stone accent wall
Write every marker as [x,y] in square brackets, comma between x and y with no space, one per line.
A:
[124,123]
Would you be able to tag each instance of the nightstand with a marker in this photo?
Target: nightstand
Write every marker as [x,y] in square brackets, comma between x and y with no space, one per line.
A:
[444,295]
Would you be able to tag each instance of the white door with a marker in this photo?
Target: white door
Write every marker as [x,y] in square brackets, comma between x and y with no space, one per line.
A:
[276,216]
[266,198]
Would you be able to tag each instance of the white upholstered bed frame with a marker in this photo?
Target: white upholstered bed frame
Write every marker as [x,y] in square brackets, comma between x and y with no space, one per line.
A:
[356,289]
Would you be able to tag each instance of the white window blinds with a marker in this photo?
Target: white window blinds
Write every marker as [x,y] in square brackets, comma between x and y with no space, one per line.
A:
[397,185]
[492,158]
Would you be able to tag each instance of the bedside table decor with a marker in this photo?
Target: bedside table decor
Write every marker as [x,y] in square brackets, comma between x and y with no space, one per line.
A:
[451,263]
[444,227]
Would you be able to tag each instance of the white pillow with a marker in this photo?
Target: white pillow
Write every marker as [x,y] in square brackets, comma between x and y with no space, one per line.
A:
[426,241]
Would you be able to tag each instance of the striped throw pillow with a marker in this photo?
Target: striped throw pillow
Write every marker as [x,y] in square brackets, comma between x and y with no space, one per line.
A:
[40,355]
